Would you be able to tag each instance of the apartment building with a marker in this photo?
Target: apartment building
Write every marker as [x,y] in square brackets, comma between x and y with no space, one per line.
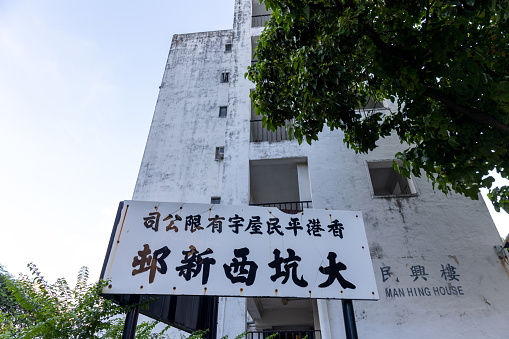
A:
[437,270]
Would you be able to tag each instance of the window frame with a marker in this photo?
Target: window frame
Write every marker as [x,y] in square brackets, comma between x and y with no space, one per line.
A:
[387,163]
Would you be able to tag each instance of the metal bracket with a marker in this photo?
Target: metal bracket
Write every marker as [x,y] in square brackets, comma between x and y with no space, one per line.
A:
[501,252]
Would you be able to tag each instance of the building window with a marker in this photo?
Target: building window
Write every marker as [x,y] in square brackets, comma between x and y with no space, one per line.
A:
[228,47]
[223,110]
[225,77]
[386,182]
[372,104]
[219,153]
[254,46]
[215,200]
[282,183]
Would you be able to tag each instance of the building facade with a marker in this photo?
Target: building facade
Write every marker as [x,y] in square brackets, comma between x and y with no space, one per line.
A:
[437,269]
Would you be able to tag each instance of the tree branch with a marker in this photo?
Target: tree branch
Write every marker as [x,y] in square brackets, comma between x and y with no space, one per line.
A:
[473,114]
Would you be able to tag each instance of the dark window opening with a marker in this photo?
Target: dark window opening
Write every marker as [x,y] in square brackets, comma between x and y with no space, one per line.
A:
[225,77]
[387,182]
[219,153]
[223,110]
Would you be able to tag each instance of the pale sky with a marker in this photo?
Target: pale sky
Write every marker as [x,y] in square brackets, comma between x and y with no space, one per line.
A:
[78,86]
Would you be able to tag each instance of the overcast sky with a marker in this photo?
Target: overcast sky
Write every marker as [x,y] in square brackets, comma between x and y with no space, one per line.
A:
[78,86]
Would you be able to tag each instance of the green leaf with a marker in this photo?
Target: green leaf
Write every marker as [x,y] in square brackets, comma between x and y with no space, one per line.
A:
[305,10]
[453,142]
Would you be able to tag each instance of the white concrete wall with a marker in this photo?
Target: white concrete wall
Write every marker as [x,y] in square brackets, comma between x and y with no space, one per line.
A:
[430,230]
[179,160]
[235,178]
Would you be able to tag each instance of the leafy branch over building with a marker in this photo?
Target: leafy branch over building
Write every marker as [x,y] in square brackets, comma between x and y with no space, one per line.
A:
[444,63]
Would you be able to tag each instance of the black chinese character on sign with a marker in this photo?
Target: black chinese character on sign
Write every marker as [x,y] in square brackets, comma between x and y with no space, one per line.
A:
[236,222]
[216,224]
[418,271]
[171,225]
[245,270]
[314,227]
[152,221]
[193,222]
[386,273]
[336,228]
[255,225]
[294,225]
[273,226]
[449,273]
[146,262]
[333,271]
[193,262]
[290,265]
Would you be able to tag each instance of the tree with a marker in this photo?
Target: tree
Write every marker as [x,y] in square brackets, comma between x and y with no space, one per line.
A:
[30,307]
[444,63]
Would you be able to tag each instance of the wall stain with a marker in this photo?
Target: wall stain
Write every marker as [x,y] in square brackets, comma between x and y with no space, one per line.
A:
[454,258]
[400,209]
[504,265]
[376,251]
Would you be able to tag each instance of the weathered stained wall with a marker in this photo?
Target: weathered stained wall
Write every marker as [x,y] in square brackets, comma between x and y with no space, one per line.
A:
[429,231]
[179,160]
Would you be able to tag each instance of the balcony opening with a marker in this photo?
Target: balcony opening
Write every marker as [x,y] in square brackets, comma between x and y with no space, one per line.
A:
[285,334]
[290,318]
[258,133]
[260,14]
[281,183]
[254,45]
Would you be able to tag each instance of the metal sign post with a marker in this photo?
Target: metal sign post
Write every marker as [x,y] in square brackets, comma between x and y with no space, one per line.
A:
[210,321]
[131,320]
[349,318]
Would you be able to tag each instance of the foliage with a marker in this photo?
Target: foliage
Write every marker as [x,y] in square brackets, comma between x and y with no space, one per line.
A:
[443,62]
[30,307]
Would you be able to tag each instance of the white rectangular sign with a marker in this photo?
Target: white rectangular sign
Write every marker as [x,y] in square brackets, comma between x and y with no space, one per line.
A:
[243,251]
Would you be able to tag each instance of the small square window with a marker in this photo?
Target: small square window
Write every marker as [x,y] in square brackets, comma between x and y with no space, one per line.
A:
[225,77]
[387,182]
[219,153]
[215,200]
[223,110]
[228,47]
